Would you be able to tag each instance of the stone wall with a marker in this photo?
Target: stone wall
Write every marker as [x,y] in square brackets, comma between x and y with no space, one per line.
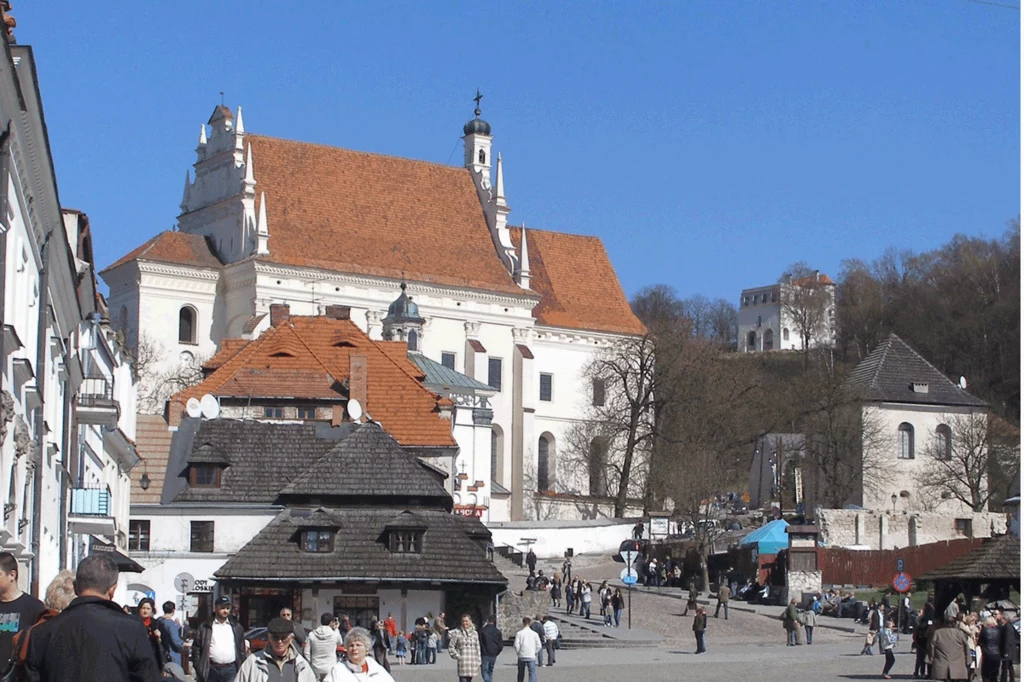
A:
[871,529]
[801,583]
[514,606]
[552,538]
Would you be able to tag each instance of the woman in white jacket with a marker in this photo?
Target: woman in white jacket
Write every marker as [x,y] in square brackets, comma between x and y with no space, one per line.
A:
[360,665]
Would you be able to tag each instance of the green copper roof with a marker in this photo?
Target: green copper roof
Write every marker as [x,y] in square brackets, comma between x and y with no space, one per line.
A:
[439,375]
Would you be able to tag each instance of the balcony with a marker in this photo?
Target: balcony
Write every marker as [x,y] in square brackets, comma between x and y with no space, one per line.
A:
[90,512]
[96,404]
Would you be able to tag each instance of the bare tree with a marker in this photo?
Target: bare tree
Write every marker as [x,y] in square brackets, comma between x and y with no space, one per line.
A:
[155,385]
[806,303]
[958,460]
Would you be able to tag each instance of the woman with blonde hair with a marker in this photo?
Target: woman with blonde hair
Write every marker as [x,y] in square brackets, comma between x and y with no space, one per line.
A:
[59,594]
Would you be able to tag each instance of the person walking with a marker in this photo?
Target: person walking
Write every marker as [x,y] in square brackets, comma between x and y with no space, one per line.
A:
[219,646]
[810,620]
[604,593]
[567,570]
[359,666]
[617,602]
[441,628]
[919,644]
[279,659]
[989,640]
[322,644]
[1007,646]
[170,633]
[587,596]
[556,594]
[401,647]
[491,644]
[570,597]
[550,638]
[531,560]
[950,650]
[58,595]
[888,638]
[147,613]
[297,629]
[18,611]
[537,625]
[700,625]
[579,595]
[791,621]
[874,625]
[464,647]
[391,625]
[527,645]
[691,600]
[723,599]
[93,640]
[380,644]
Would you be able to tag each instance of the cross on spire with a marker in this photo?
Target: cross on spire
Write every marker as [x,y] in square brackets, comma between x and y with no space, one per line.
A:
[477,100]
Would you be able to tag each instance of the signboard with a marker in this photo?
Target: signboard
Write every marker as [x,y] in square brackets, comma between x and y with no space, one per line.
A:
[202,587]
[470,511]
[659,525]
[901,582]
[899,565]
[183,582]
[628,575]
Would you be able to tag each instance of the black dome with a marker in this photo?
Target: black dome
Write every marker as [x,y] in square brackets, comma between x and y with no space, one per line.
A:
[477,126]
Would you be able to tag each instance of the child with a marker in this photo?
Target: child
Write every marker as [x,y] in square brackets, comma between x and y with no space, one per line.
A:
[432,647]
[400,649]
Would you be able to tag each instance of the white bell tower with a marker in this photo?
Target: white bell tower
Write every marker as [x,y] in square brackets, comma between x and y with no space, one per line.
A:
[477,139]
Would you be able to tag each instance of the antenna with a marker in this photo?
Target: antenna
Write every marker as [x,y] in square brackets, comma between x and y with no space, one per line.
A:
[193,408]
[209,406]
[963,382]
[355,410]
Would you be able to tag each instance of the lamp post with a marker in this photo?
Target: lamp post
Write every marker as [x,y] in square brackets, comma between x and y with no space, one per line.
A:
[894,499]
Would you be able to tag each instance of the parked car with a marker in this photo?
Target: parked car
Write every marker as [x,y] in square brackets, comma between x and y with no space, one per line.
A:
[637,546]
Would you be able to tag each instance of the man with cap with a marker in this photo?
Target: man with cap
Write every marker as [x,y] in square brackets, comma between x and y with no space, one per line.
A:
[219,647]
[279,660]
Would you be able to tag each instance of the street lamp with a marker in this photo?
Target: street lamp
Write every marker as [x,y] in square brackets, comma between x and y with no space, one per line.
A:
[894,499]
[144,482]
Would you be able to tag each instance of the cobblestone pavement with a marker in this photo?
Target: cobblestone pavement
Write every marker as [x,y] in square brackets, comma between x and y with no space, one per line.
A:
[817,663]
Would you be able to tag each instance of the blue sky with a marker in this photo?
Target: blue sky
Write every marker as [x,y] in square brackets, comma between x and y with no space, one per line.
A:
[709,144]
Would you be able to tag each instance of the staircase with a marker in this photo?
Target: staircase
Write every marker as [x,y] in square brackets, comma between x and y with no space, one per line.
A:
[578,633]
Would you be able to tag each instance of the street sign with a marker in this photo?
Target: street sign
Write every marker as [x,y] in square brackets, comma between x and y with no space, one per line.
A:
[183,582]
[899,565]
[901,582]
[628,556]
[628,576]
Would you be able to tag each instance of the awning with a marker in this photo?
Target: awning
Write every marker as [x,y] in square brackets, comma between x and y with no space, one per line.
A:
[125,564]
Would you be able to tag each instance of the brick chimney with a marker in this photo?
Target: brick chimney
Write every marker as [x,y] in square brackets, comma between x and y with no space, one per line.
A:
[338,312]
[357,379]
[280,313]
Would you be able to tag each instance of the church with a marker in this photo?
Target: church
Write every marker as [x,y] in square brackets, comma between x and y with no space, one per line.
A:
[267,221]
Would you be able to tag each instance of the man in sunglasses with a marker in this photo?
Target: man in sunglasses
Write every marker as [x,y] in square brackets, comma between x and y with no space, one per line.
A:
[278,660]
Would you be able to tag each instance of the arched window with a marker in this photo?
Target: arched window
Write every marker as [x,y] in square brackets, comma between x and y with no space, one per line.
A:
[545,462]
[785,334]
[482,156]
[497,450]
[598,466]
[769,339]
[413,340]
[187,324]
[906,434]
[943,442]
[752,340]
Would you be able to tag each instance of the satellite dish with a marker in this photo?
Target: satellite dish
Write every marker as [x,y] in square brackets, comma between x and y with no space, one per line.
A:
[193,408]
[963,383]
[209,406]
[355,410]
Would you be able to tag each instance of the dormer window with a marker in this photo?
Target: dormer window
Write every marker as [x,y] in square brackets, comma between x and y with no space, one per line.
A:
[204,476]
[406,541]
[317,541]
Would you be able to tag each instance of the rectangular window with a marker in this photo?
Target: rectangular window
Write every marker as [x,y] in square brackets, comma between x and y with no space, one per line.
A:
[962,528]
[307,413]
[598,398]
[494,373]
[138,536]
[317,541]
[545,387]
[273,412]
[204,476]
[406,542]
[202,536]
[448,360]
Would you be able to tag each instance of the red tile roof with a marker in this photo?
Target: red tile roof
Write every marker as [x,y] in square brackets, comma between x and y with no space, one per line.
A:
[804,281]
[577,283]
[308,358]
[349,211]
[179,248]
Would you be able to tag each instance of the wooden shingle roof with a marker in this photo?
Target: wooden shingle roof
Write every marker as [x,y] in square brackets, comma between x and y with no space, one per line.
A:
[889,373]
[360,551]
[997,559]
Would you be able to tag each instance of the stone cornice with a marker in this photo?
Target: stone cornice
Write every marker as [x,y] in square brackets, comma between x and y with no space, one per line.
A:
[193,272]
[566,336]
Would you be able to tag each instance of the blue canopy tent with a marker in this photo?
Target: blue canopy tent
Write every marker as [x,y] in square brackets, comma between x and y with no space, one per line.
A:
[768,539]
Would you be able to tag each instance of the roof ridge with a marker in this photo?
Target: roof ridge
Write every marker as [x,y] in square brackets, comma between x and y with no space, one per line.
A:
[930,365]
[305,345]
[323,145]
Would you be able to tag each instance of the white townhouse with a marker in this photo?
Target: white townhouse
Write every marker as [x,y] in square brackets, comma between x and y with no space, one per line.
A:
[773,317]
[270,221]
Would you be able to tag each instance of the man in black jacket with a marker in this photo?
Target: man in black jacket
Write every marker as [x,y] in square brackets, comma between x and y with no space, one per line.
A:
[490,647]
[92,639]
[219,647]
[1007,645]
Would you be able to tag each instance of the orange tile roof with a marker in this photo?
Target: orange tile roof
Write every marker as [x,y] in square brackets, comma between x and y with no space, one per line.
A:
[577,283]
[804,281]
[173,247]
[228,349]
[350,211]
[308,358]
[153,443]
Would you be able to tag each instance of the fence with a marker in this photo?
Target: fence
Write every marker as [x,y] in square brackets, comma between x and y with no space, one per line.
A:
[876,568]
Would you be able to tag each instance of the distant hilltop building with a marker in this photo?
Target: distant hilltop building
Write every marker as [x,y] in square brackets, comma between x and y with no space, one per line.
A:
[794,314]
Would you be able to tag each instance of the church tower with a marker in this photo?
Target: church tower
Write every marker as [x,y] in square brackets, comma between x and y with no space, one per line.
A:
[403,322]
[477,139]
